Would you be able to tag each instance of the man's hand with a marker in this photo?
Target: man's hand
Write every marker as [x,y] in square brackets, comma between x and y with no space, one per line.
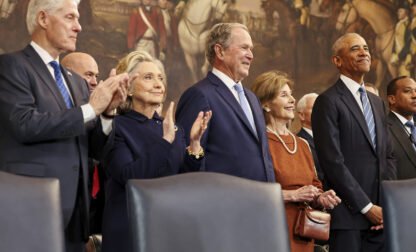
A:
[112,90]
[375,215]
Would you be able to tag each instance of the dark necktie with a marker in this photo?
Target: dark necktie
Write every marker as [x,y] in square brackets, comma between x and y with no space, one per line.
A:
[368,114]
[60,83]
[412,127]
[245,106]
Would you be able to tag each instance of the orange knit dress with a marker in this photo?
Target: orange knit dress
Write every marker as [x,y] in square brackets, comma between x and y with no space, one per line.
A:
[293,171]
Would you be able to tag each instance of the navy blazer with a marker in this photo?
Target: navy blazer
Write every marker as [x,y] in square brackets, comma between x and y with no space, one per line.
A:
[40,136]
[305,135]
[352,167]
[403,149]
[136,150]
[230,144]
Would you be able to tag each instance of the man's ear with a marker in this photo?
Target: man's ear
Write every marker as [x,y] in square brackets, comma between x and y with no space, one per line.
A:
[219,51]
[336,60]
[301,116]
[42,19]
[391,99]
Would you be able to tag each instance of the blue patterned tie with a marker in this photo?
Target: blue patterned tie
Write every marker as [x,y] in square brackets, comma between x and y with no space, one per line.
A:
[412,127]
[245,106]
[368,114]
[60,83]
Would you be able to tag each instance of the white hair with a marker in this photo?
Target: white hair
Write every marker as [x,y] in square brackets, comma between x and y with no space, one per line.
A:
[302,101]
[339,43]
[35,6]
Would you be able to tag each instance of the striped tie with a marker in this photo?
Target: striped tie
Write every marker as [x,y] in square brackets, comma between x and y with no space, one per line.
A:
[368,114]
[60,83]
[412,127]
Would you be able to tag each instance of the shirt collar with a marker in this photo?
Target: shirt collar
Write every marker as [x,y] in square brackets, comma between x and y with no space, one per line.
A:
[224,78]
[402,118]
[44,55]
[351,84]
[308,130]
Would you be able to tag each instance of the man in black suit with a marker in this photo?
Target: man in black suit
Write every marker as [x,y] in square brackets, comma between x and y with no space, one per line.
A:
[48,115]
[304,109]
[401,94]
[352,143]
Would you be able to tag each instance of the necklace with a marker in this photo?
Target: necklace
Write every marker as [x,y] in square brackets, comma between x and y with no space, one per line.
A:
[283,142]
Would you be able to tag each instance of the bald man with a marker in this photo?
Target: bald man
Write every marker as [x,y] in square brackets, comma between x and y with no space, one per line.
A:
[84,65]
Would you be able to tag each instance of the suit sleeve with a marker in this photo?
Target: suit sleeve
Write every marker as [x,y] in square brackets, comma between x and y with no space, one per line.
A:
[20,110]
[190,104]
[391,170]
[327,143]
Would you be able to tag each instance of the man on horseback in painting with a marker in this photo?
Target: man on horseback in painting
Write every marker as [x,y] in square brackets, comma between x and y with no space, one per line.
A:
[146,30]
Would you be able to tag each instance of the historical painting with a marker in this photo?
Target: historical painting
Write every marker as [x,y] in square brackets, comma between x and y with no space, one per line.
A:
[294,36]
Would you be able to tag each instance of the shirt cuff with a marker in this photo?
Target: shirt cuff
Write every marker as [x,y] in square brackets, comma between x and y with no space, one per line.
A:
[107,125]
[88,112]
[367,208]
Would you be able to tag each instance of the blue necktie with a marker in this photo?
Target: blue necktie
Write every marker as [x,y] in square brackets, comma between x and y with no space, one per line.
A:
[412,127]
[60,83]
[368,114]
[245,106]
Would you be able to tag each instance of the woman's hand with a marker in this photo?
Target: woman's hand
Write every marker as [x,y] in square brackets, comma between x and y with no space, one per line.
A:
[328,199]
[198,129]
[304,194]
[168,125]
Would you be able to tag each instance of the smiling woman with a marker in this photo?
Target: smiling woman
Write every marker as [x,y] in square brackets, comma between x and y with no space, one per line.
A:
[292,159]
[143,144]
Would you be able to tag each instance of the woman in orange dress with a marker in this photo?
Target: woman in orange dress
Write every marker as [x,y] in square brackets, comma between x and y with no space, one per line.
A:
[292,159]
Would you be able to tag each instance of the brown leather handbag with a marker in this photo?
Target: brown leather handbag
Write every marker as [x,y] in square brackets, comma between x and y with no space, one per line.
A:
[312,224]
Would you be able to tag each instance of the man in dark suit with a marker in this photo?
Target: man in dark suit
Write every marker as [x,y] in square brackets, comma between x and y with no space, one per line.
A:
[235,142]
[401,94]
[352,143]
[304,109]
[48,116]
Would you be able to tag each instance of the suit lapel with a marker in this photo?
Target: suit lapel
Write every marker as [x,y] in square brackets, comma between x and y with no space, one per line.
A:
[307,137]
[399,133]
[351,104]
[43,72]
[229,98]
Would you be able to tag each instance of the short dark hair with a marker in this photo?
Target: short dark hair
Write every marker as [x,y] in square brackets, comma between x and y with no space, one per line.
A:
[392,87]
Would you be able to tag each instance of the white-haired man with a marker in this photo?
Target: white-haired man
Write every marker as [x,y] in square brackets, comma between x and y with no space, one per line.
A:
[304,109]
[49,116]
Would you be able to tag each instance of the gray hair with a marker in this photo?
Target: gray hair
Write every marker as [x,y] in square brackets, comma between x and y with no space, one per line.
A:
[220,34]
[129,65]
[35,6]
[339,43]
[302,101]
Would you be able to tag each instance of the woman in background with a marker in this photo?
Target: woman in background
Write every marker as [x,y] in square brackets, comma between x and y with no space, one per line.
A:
[292,159]
[144,145]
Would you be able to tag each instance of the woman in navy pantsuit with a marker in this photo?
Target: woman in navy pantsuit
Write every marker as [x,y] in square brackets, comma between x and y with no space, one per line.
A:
[144,145]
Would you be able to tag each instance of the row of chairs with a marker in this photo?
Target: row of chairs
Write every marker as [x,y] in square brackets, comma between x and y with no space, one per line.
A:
[188,212]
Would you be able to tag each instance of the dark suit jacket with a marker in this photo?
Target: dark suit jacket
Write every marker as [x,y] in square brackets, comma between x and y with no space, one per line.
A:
[39,135]
[230,144]
[352,167]
[403,149]
[136,150]
[305,135]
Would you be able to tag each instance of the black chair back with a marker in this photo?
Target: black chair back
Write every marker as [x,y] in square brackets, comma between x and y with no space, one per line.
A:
[206,212]
[399,198]
[30,214]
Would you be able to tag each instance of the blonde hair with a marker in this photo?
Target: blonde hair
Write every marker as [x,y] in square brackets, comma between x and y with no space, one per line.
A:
[129,65]
[267,85]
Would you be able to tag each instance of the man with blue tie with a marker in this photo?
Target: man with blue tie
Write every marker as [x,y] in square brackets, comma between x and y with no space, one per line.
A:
[48,116]
[401,94]
[354,150]
[235,142]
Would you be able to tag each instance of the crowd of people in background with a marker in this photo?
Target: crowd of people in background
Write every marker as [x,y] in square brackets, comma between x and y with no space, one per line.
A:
[95,135]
